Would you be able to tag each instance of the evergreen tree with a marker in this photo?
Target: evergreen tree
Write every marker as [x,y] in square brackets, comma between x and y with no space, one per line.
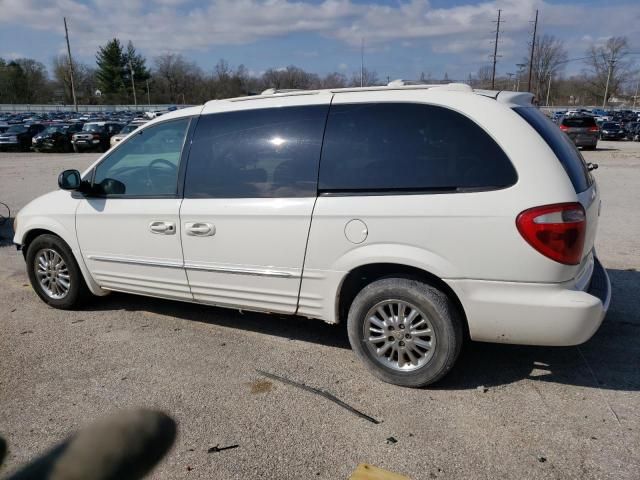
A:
[133,60]
[110,73]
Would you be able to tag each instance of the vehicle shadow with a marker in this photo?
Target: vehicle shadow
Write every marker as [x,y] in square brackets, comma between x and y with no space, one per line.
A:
[286,326]
[608,360]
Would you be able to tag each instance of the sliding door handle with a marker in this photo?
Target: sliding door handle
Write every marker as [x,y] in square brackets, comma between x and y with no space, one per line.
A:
[200,229]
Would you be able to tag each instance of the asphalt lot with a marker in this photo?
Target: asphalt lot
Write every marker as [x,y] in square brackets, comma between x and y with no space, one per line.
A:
[504,412]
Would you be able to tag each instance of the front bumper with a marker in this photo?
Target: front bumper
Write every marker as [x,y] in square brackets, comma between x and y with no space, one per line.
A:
[86,144]
[535,314]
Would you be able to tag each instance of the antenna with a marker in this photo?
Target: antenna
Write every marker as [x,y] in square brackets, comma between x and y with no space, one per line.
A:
[495,52]
[362,63]
[533,47]
[73,88]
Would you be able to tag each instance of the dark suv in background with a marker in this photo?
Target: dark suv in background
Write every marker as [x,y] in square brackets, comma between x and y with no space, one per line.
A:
[612,131]
[95,136]
[55,138]
[583,131]
[18,137]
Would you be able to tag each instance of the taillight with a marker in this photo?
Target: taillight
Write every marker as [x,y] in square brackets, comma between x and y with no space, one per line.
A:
[556,231]
[593,129]
[564,128]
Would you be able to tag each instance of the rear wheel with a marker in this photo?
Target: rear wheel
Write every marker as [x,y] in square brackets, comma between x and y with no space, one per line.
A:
[406,332]
[54,273]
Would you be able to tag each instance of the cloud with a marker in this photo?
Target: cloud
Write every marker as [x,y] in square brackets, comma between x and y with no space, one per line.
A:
[157,26]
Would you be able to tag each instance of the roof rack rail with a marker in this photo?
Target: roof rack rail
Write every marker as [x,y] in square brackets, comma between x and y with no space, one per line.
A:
[453,86]
[273,91]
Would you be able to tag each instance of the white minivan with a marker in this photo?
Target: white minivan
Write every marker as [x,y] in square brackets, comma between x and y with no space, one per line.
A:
[420,215]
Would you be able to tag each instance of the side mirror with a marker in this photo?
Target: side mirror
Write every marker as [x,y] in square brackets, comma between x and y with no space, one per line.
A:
[69,180]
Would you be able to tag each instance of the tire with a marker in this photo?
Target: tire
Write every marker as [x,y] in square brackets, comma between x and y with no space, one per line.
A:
[52,248]
[435,310]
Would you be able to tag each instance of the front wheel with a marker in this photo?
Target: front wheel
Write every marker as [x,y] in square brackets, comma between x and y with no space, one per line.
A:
[54,273]
[406,332]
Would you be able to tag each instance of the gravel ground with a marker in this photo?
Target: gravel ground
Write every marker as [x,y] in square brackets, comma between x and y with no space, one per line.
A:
[504,412]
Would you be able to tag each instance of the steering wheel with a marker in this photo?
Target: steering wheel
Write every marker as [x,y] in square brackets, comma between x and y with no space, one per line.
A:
[172,173]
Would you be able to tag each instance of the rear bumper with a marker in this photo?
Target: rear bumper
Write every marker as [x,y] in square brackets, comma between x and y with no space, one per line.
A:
[535,314]
[585,140]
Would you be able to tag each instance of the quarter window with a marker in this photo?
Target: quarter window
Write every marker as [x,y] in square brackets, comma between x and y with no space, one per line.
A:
[387,147]
[256,153]
[146,164]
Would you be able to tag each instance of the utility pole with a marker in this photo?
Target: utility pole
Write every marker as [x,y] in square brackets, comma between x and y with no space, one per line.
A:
[635,97]
[133,84]
[520,72]
[495,53]
[533,47]
[362,63]
[548,90]
[606,88]
[73,87]
[148,96]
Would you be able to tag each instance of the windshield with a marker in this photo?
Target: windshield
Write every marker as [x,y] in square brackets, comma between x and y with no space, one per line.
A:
[610,125]
[580,122]
[92,127]
[128,129]
[16,129]
[55,129]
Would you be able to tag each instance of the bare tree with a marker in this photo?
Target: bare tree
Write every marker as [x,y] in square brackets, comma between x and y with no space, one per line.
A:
[483,76]
[612,55]
[177,80]
[84,76]
[290,77]
[549,58]
[333,80]
[24,80]
[369,78]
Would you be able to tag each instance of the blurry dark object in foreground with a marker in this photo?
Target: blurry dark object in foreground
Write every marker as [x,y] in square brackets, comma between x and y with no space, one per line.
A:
[124,446]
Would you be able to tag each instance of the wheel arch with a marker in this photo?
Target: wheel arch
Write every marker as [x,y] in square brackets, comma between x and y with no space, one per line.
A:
[30,235]
[359,277]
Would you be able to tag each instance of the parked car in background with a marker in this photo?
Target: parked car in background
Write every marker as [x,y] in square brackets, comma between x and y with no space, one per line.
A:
[95,136]
[126,130]
[582,131]
[634,133]
[630,129]
[18,136]
[612,131]
[56,137]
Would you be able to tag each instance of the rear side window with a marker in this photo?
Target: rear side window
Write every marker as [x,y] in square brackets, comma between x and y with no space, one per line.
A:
[389,147]
[579,122]
[256,153]
[568,154]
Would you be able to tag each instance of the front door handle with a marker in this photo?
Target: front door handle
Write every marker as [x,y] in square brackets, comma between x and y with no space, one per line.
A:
[162,228]
[200,229]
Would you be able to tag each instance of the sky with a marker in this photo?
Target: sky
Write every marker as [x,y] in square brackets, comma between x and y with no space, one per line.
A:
[402,38]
